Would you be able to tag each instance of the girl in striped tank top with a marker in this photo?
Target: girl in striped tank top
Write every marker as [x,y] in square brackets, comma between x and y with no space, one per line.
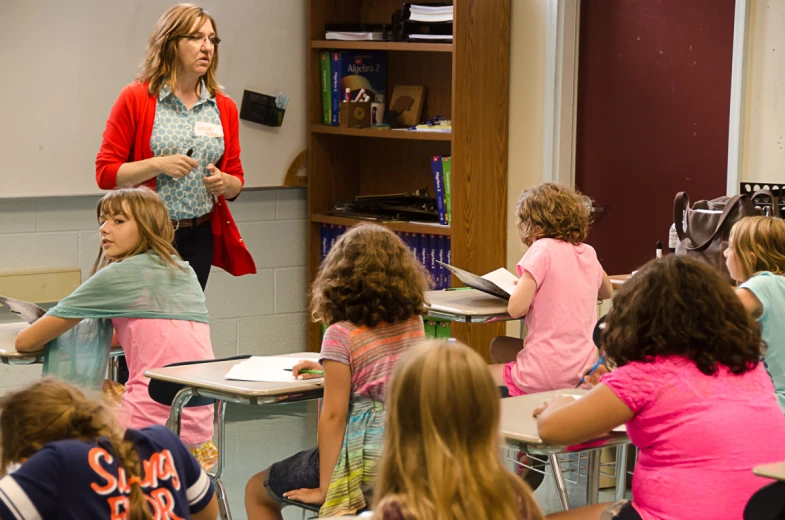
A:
[370,294]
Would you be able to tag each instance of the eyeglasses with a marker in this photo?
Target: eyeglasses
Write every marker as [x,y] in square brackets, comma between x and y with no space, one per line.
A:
[199,39]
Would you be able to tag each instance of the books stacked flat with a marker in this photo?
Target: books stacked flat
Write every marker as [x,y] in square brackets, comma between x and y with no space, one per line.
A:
[354,35]
[430,13]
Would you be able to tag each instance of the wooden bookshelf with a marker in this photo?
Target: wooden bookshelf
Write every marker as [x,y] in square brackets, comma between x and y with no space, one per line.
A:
[383,134]
[467,82]
[394,225]
[382,46]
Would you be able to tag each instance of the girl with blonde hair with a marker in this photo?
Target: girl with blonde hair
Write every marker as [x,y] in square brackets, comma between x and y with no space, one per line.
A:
[152,300]
[78,463]
[441,456]
[756,257]
[370,294]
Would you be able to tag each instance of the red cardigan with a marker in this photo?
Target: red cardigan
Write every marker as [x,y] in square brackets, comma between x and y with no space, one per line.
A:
[127,139]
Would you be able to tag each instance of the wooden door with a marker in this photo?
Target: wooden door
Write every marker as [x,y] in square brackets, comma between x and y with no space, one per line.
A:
[653,107]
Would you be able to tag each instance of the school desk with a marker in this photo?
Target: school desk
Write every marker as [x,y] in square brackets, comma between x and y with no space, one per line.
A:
[10,356]
[617,280]
[208,380]
[519,428]
[466,305]
[775,471]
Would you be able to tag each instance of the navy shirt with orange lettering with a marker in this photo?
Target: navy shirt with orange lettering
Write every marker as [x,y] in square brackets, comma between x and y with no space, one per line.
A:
[74,479]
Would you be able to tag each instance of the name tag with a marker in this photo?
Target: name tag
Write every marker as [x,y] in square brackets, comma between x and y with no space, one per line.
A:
[204,129]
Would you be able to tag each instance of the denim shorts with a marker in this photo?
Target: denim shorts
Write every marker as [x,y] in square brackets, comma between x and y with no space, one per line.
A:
[621,510]
[296,472]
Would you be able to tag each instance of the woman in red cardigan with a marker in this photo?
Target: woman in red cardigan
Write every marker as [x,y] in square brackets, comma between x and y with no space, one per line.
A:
[173,131]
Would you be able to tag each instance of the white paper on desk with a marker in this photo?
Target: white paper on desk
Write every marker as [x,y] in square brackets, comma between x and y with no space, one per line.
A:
[267,369]
[622,428]
[503,278]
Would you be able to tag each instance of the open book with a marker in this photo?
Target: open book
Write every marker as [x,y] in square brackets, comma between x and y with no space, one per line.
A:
[29,312]
[499,283]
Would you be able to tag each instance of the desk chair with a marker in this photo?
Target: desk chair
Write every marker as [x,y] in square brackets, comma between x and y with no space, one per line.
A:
[164,392]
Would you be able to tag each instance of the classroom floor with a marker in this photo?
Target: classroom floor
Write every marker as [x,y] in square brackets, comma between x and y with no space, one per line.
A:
[253,443]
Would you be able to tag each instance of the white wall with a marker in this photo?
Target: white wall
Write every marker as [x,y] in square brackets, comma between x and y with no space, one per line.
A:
[764,136]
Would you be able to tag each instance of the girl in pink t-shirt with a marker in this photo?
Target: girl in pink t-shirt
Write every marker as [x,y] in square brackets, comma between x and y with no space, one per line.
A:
[560,282]
[155,304]
[697,402]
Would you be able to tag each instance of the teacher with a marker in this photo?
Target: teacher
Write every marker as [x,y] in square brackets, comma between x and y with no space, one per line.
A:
[175,132]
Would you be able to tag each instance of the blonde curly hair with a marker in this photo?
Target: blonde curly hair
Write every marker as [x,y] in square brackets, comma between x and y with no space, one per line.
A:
[550,210]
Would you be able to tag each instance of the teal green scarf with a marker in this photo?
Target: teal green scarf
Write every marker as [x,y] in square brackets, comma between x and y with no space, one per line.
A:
[142,286]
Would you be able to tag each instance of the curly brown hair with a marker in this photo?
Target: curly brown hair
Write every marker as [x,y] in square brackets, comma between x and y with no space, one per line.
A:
[550,210]
[369,277]
[677,306]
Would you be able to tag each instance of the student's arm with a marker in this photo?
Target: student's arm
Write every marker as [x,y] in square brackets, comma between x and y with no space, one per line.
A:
[332,427]
[565,421]
[606,288]
[750,302]
[45,329]
[210,511]
[522,296]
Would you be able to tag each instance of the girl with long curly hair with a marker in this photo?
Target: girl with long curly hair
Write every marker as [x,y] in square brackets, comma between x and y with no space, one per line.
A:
[370,294]
[689,385]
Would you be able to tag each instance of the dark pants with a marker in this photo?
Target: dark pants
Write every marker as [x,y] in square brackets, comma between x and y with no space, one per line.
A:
[195,245]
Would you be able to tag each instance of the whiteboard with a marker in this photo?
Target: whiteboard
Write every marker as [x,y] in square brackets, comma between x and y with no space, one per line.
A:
[65,62]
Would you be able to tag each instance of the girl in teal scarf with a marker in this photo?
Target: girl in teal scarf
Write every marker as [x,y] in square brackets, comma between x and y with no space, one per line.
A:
[147,294]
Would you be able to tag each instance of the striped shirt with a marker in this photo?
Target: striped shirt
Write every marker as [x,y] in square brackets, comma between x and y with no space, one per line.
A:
[370,352]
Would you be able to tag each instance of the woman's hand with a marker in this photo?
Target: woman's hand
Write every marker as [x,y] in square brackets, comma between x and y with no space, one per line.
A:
[307,365]
[306,496]
[556,402]
[217,182]
[176,166]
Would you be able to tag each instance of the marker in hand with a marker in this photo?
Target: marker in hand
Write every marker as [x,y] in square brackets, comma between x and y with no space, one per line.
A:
[591,371]
[307,371]
[190,152]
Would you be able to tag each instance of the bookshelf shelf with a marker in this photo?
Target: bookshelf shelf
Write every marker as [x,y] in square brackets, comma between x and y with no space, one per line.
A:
[467,82]
[381,46]
[411,227]
[382,134]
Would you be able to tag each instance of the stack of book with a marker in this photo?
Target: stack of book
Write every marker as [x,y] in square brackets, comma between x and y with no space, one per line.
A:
[427,248]
[428,22]
[361,72]
[430,13]
[441,167]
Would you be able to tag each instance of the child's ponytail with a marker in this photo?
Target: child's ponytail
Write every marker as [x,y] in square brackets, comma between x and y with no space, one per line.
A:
[128,459]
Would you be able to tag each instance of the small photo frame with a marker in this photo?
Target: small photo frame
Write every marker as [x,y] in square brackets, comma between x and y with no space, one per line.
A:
[407,102]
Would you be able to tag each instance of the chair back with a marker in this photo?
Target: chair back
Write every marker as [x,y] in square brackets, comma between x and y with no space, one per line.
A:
[596,336]
[164,392]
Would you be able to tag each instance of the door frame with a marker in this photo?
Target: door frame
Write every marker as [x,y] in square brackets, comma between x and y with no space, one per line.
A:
[562,40]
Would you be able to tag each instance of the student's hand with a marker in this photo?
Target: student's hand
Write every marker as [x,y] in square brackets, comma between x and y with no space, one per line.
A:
[306,365]
[217,182]
[594,379]
[176,166]
[556,402]
[307,496]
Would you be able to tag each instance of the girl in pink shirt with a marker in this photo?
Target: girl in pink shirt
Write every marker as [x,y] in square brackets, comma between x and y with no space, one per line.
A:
[560,282]
[142,288]
[697,402]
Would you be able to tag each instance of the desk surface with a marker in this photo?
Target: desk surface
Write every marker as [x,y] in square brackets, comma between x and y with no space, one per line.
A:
[775,471]
[212,377]
[617,280]
[467,305]
[518,425]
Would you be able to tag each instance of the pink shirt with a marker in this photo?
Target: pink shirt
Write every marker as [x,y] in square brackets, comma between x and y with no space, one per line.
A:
[698,437]
[154,343]
[561,317]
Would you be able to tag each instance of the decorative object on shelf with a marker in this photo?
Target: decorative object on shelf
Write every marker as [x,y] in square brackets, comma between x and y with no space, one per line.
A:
[355,115]
[407,102]
[263,109]
[292,180]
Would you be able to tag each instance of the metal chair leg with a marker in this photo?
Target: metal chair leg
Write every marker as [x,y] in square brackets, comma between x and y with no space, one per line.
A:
[223,502]
[621,472]
[558,478]
[593,477]
[176,411]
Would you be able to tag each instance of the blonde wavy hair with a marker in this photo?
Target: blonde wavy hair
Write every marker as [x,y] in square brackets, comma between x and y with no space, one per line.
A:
[156,232]
[51,410]
[759,245]
[160,62]
[550,210]
[441,458]
[368,277]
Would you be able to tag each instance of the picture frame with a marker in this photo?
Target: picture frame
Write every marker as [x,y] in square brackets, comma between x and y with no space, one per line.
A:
[407,102]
